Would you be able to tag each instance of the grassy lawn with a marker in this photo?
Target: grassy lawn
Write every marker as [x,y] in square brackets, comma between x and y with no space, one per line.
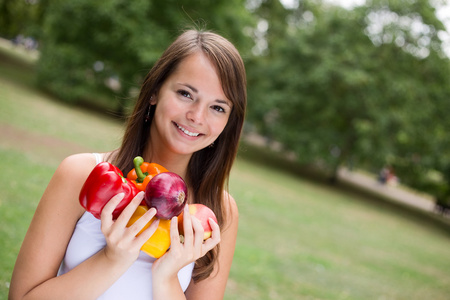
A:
[297,239]
[301,240]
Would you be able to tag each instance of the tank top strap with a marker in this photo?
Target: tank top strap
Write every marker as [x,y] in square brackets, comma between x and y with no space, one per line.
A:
[98,158]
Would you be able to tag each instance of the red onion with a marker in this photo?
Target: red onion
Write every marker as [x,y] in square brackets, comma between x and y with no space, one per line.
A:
[167,192]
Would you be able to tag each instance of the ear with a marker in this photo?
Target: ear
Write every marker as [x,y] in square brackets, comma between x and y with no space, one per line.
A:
[153,100]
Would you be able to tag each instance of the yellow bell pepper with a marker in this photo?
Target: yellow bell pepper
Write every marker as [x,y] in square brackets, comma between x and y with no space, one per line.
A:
[159,242]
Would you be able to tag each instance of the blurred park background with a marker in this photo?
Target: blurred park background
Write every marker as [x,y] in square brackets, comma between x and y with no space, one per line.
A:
[363,88]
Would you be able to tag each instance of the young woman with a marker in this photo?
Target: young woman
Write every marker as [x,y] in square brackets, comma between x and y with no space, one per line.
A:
[188,118]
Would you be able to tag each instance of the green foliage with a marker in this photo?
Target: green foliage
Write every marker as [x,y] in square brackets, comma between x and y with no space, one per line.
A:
[322,81]
[14,17]
[361,86]
[108,46]
[418,77]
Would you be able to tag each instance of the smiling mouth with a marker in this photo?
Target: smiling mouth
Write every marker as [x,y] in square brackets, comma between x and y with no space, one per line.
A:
[187,132]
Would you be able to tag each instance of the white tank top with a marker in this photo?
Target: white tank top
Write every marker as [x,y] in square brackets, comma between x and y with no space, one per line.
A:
[136,283]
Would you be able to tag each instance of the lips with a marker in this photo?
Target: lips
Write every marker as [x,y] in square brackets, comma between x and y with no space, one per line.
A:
[187,132]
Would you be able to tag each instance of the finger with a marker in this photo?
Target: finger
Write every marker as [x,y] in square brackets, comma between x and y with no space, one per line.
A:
[174,233]
[107,211]
[208,245]
[215,234]
[214,226]
[128,211]
[214,240]
[187,226]
[147,233]
[199,233]
[137,226]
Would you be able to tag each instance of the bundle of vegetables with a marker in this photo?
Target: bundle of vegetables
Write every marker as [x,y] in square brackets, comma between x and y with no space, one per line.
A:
[164,190]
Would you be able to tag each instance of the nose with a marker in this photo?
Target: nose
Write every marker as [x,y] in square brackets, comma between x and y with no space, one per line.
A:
[196,114]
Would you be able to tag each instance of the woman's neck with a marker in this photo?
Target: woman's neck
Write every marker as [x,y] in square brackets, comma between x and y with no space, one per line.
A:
[175,163]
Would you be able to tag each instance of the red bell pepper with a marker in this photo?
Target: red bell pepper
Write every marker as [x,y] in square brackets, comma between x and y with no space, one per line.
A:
[143,172]
[104,182]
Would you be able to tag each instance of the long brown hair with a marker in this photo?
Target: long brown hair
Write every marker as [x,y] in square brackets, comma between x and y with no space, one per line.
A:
[209,169]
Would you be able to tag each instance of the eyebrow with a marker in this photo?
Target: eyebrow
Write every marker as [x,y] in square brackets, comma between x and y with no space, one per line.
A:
[229,103]
[224,102]
[190,86]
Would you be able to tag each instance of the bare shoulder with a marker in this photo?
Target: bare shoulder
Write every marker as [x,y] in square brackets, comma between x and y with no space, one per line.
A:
[61,197]
[79,162]
[70,174]
[59,204]
[231,209]
[76,167]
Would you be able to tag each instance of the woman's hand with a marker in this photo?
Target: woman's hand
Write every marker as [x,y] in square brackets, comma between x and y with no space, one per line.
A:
[192,248]
[122,244]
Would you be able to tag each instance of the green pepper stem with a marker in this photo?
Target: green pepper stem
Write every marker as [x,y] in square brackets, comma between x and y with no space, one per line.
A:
[138,161]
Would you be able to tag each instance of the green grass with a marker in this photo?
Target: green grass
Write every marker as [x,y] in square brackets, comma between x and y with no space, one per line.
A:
[302,240]
[32,111]
[297,239]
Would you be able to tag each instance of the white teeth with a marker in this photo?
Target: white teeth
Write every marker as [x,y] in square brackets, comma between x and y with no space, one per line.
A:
[187,131]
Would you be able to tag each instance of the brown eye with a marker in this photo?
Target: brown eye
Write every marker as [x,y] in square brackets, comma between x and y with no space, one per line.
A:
[218,108]
[185,94]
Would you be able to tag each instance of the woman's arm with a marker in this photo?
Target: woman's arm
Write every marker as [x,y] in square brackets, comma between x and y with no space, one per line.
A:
[165,269]
[214,286]
[45,243]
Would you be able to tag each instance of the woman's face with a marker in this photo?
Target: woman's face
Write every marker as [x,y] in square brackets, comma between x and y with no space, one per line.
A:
[191,108]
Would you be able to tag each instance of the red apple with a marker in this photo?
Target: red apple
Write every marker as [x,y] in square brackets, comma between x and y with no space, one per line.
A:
[202,213]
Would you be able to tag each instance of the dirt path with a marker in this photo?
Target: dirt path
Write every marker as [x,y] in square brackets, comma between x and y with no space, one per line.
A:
[394,193]
[37,144]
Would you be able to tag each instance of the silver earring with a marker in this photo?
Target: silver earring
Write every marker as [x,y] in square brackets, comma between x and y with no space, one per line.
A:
[147,117]
[211,145]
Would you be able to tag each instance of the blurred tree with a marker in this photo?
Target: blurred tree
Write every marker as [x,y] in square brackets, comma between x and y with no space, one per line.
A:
[320,86]
[16,17]
[418,75]
[268,34]
[359,85]
[108,46]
